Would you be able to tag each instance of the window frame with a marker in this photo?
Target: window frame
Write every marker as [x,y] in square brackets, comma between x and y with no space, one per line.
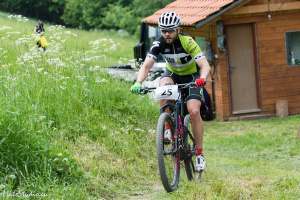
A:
[287,48]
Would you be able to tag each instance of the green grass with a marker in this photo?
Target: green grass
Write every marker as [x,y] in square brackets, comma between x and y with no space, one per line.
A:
[256,159]
[51,100]
[70,131]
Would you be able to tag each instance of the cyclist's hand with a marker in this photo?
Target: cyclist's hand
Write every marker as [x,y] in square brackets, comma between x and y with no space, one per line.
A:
[200,82]
[136,88]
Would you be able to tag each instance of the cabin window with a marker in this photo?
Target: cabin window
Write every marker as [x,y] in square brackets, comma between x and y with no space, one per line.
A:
[293,48]
[205,47]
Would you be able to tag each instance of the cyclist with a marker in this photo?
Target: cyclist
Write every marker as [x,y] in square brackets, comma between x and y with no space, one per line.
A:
[185,63]
[41,40]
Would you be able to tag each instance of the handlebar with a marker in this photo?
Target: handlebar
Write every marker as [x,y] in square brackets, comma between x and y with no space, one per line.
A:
[146,90]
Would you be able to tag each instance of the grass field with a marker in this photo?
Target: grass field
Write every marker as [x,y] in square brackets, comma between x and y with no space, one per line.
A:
[70,131]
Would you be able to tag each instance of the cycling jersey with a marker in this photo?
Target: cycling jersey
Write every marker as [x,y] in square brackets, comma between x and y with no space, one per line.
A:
[180,55]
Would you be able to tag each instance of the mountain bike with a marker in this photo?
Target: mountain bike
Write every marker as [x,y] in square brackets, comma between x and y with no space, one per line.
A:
[180,147]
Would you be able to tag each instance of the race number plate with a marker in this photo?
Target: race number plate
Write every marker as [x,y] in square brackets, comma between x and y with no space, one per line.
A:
[167,92]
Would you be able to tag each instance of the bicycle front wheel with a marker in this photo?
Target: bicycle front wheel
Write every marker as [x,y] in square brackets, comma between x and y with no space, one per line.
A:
[188,149]
[168,158]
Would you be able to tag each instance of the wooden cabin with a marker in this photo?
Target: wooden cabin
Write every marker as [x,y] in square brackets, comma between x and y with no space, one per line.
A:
[254,50]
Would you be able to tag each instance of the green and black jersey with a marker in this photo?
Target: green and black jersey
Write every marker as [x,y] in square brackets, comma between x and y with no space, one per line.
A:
[180,55]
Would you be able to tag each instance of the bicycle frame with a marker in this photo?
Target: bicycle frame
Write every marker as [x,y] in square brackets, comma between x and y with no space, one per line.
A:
[178,110]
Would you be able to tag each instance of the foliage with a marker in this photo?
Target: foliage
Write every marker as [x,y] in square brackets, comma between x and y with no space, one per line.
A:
[50,100]
[87,14]
[50,10]
[72,16]
[118,17]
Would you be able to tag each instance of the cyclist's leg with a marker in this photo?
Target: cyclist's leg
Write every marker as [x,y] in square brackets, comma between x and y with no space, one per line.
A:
[194,109]
[193,106]
[166,79]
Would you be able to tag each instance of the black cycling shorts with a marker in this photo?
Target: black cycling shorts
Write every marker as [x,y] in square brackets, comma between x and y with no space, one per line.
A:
[192,93]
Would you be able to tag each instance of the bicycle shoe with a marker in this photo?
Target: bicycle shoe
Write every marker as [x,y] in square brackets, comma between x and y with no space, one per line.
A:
[200,163]
[167,136]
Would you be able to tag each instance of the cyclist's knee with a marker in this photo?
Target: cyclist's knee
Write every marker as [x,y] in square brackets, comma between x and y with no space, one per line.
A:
[194,113]
[166,81]
[194,110]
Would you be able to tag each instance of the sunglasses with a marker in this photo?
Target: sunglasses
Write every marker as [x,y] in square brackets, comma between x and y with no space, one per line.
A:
[168,31]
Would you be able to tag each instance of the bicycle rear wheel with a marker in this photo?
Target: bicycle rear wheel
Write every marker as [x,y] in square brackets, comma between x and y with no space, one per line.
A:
[188,149]
[168,160]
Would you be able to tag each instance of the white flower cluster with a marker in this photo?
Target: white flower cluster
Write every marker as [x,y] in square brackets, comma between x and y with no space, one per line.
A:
[104,44]
[19,18]
[3,28]
[56,62]
[24,40]
[58,58]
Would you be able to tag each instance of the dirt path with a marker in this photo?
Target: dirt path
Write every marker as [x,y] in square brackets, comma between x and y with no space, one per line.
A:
[153,194]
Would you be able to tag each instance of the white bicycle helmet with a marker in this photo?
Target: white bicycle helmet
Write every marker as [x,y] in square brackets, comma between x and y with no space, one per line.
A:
[169,20]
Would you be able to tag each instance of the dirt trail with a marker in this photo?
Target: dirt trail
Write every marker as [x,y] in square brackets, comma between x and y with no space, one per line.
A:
[153,194]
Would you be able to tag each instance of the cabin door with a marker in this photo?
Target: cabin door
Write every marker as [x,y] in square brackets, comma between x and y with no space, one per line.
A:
[240,41]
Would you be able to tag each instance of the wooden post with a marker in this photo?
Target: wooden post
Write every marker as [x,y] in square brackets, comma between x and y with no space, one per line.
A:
[282,109]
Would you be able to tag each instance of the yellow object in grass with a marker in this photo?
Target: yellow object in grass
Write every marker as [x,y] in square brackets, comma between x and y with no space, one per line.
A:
[43,42]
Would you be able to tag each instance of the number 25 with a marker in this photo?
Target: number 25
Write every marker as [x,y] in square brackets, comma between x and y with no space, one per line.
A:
[167,92]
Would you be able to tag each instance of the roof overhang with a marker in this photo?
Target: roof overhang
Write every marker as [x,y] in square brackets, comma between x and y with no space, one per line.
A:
[196,13]
[215,15]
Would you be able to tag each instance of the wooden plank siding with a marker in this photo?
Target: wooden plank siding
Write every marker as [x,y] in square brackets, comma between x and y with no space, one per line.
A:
[222,86]
[261,7]
[276,79]
[257,2]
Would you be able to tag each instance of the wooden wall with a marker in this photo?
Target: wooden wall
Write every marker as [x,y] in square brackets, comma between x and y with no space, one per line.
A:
[257,2]
[276,79]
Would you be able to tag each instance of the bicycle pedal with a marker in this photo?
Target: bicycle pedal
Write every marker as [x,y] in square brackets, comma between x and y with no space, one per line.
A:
[166,141]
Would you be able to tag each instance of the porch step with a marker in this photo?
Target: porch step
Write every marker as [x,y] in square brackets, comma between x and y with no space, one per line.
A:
[250,116]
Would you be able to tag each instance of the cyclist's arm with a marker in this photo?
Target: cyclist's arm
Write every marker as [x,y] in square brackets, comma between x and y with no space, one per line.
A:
[194,49]
[149,62]
[204,66]
[145,68]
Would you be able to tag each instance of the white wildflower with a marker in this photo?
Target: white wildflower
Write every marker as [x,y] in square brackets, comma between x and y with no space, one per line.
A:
[98,80]
[138,130]
[93,69]
[13,33]
[56,62]
[62,87]
[2,28]
[71,33]
[40,69]
[82,78]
